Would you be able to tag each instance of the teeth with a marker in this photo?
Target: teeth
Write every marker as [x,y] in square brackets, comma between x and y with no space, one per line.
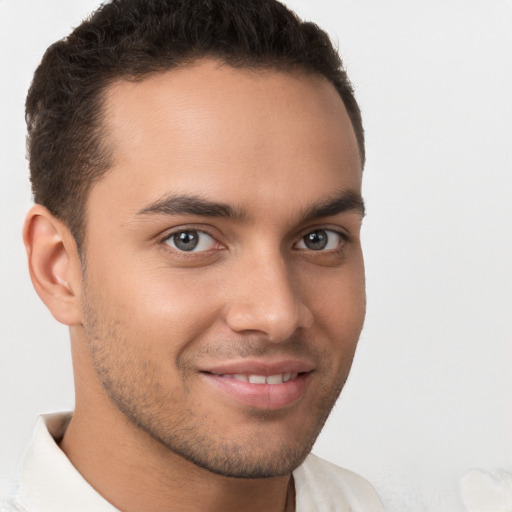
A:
[275,379]
[257,379]
[262,379]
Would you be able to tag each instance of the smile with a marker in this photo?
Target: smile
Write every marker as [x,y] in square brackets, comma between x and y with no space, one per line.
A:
[259,385]
[279,378]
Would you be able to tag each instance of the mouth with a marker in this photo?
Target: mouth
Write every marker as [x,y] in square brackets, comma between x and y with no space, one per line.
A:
[279,378]
[258,385]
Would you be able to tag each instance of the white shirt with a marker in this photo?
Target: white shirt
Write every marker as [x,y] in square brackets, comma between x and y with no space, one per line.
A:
[48,482]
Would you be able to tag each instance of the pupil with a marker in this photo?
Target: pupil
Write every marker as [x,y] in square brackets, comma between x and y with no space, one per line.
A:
[186,240]
[316,240]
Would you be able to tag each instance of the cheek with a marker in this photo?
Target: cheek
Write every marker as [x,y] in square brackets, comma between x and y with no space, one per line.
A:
[163,310]
[338,303]
[339,298]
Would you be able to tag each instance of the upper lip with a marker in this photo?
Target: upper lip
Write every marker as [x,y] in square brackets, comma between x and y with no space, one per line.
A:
[258,367]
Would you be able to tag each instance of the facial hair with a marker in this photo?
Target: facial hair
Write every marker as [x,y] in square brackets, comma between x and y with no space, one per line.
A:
[145,390]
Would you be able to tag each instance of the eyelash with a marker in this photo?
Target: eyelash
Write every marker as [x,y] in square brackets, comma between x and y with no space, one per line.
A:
[169,237]
[344,238]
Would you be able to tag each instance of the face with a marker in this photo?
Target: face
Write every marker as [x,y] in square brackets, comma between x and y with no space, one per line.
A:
[224,283]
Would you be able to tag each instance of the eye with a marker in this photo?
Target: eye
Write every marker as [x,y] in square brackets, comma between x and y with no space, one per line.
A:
[321,240]
[191,240]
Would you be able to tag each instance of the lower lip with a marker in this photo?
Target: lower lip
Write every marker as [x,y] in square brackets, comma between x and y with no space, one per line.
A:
[261,396]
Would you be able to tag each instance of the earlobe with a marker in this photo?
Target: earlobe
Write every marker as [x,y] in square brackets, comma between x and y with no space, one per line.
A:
[54,264]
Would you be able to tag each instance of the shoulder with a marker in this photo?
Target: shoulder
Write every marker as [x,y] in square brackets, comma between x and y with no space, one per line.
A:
[10,494]
[9,506]
[323,486]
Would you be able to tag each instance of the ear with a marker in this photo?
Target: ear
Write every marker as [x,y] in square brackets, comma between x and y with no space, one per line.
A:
[54,264]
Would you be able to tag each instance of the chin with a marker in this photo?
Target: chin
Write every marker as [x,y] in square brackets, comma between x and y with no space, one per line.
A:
[235,461]
[271,448]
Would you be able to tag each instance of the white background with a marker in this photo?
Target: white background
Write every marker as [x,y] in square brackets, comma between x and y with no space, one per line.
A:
[430,395]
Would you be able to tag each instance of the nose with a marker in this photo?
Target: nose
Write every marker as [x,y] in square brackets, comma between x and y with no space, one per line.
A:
[266,300]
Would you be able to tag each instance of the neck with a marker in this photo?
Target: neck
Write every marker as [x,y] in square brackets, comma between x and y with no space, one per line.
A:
[135,473]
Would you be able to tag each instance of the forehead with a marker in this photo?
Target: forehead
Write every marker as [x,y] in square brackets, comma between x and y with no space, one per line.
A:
[216,131]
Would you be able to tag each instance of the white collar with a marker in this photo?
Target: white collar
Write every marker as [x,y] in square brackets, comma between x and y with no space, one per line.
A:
[48,482]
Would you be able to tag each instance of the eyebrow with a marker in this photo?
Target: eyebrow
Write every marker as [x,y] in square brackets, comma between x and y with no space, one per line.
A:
[193,205]
[342,202]
[345,201]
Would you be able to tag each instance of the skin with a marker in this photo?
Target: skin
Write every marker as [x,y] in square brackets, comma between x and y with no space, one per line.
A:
[152,430]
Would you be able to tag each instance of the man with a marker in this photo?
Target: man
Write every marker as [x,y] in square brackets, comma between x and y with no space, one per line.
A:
[196,168]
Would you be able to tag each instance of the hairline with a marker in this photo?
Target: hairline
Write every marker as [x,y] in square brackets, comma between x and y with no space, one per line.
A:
[106,147]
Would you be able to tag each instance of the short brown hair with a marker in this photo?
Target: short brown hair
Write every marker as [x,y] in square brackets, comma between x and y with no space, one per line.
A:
[130,39]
